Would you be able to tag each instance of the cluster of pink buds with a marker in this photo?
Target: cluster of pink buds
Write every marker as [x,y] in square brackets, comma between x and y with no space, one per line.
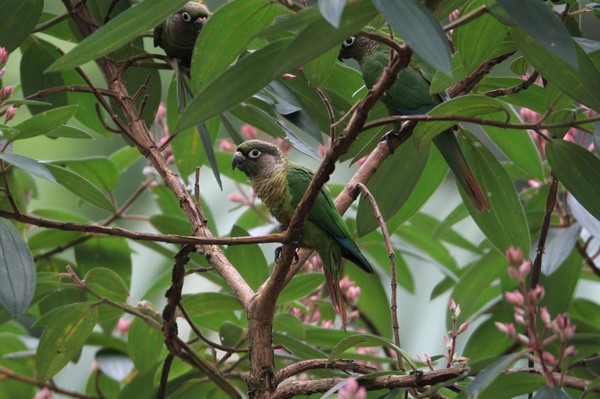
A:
[525,302]
[5,91]
[352,390]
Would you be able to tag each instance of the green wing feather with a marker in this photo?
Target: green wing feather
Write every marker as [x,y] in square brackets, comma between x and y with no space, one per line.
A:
[324,215]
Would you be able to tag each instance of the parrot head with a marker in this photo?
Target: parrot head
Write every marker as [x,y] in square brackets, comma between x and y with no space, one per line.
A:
[357,47]
[191,18]
[257,158]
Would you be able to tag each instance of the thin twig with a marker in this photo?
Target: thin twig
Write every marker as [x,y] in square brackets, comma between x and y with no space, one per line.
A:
[329,109]
[393,275]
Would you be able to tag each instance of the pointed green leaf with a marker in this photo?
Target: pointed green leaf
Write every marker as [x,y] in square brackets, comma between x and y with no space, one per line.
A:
[43,123]
[244,19]
[300,286]
[107,283]
[582,84]
[249,260]
[539,22]
[144,344]
[118,32]
[81,187]
[102,252]
[578,170]
[468,105]
[476,41]
[504,224]
[28,164]
[420,29]
[99,171]
[210,302]
[17,21]
[17,272]
[63,337]
[319,69]
[551,392]
[356,340]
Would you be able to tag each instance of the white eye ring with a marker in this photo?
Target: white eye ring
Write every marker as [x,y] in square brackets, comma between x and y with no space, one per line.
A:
[349,41]
[254,153]
[186,16]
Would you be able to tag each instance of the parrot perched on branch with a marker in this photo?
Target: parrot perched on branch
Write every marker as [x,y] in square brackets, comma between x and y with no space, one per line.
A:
[409,95]
[280,184]
[177,35]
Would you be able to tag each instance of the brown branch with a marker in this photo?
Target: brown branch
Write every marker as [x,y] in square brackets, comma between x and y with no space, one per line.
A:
[515,89]
[550,204]
[7,373]
[318,364]
[581,248]
[393,276]
[137,236]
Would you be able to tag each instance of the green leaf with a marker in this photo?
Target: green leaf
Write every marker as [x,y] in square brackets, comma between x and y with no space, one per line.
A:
[70,132]
[37,56]
[504,224]
[101,252]
[244,19]
[414,22]
[300,286]
[43,123]
[318,70]
[489,374]
[476,41]
[563,283]
[508,386]
[28,164]
[355,340]
[539,22]
[248,260]
[210,302]
[114,364]
[171,224]
[144,345]
[468,105]
[99,171]
[63,337]
[392,184]
[582,84]
[551,392]
[81,187]
[124,158]
[578,170]
[107,283]
[332,11]
[17,21]
[17,284]
[118,32]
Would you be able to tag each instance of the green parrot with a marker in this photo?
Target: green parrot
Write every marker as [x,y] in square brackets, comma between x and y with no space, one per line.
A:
[177,35]
[280,184]
[409,95]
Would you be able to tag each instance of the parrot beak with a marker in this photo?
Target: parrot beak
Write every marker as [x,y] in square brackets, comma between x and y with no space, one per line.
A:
[238,160]
[199,23]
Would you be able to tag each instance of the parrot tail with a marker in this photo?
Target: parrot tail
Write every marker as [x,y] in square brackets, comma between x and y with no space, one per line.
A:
[448,145]
[336,295]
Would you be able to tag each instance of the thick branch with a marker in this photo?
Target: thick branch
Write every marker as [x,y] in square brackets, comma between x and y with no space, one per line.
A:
[315,364]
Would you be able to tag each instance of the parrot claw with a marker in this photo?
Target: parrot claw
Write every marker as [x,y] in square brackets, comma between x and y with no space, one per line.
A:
[279,249]
[388,139]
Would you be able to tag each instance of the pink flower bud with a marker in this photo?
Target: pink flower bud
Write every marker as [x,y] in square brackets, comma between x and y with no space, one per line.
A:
[591,147]
[237,198]
[528,115]
[570,351]
[533,183]
[45,393]
[537,293]
[571,135]
[453,15]
[352,294]
[519,319]
[448,342]
[451,304]
[288,76]
[123,325]
[327,324]
[462,327]
[316,316]
[10,113]
[161,113]
[300,69]
[515,298]
[3,56]
[248,131]
[525,268]
[545,316]
[346,283]
[2,71]
[507,328]
[548,358]
[226,146]
[322,150]
[5,92]
[283,145]
[361,161]
[352,390]
[514,256]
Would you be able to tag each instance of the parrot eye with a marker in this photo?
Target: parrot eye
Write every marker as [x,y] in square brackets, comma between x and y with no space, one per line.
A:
[349,41]
[254,153]
[186,16]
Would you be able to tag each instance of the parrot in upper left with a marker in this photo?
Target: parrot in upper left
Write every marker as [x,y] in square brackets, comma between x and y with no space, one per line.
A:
[177,34]
[410,95]
[281,184]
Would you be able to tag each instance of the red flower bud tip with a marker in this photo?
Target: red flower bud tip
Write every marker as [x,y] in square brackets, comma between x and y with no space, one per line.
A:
[514,298]
[451,304]
[10,113]
[525,268]
[3,56]
[237,198]
[5,92]
[248,131]
[462,328]
[226,146]
[528,115]
[514,255]
[454,14]
[548,358]
[288,76]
